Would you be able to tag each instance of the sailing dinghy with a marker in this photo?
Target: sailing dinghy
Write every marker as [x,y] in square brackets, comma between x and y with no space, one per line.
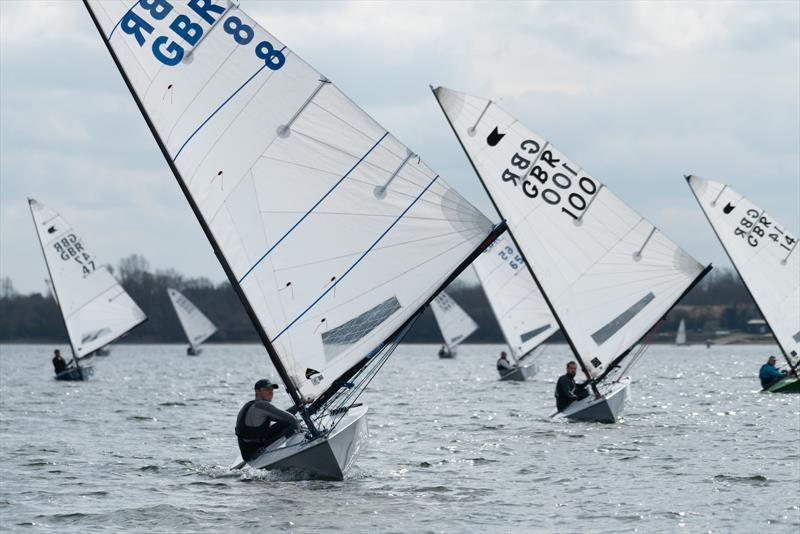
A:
[680,337]
[195,324]
[453,322]
[518,306]
[95,309]
[334,235]
[765,255]
[607,273]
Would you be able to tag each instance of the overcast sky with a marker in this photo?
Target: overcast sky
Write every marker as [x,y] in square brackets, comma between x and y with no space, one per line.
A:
[637,93]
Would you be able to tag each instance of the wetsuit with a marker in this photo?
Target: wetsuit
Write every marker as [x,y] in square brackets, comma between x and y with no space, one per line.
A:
[504,365]
[567,392]
[770,375]
[59,364]
[258,424]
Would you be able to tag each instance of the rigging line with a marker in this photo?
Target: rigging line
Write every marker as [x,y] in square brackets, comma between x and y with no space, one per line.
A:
[386,247]
[400,275]
[343,276]
[290,230]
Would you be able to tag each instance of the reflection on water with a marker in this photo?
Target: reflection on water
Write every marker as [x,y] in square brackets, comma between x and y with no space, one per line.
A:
[146,444]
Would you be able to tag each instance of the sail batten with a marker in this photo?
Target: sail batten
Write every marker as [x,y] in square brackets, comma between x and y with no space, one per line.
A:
[273,165]
[607,274]
[763,252]
[95,308]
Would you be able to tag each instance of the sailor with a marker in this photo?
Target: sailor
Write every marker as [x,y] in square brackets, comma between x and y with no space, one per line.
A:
[566,390]
[59,365]
[769,373]
[503,365]
[259,423]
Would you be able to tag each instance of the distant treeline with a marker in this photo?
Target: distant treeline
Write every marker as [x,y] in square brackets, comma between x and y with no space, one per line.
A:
[719,301]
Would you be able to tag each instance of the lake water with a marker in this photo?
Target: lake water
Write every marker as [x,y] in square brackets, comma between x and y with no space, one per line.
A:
[144,447]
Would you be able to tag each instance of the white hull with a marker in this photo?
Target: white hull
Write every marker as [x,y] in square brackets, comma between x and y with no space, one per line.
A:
[605,409]
[519,374]
[329,457]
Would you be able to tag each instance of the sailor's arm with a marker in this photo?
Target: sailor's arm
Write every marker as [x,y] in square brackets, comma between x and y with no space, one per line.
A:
[279,416]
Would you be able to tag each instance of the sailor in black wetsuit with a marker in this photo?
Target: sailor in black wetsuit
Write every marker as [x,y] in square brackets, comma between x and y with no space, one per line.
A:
[566,390]
[259,423]
[503,365]
[59,365]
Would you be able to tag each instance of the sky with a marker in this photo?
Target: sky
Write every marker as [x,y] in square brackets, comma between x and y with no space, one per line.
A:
[639,94]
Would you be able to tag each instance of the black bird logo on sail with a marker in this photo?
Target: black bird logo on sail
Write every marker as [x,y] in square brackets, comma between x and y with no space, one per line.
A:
[51,230]
[493,138]
[728,208]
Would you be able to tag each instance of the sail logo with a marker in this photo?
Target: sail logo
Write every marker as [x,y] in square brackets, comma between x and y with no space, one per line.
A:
[185,33]
[70,248]
[728,208]
[541,174]
[495,137]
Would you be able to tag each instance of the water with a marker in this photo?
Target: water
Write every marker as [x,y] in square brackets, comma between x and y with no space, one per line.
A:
[144,447]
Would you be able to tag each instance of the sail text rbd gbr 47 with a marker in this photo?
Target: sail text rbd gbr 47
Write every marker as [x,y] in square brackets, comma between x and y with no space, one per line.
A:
[606,272]
[333,232]
[96,309]
[765,254]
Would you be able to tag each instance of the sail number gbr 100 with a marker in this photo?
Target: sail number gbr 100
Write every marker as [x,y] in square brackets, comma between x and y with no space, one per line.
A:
[140,21]
[541,174]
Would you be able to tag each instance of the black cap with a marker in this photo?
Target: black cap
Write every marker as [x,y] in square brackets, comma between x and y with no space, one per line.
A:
[265,384]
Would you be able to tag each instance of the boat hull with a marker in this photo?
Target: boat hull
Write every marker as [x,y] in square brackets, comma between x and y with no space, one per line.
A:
[447,354]
[606,409]
[103,351]
[790,384]
[191,351]
[519,374]
[76,374]
[328,458]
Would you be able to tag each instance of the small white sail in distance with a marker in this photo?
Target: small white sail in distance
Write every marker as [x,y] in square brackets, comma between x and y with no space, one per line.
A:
[195,324]
[455,324]
[332,232]
[521,311]
[680,337]
[765,254]
[95,308]
[608,274]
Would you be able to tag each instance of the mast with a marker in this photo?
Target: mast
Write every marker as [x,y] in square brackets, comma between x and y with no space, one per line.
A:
[514,240]
[687,177]
[50,276]
[290,387]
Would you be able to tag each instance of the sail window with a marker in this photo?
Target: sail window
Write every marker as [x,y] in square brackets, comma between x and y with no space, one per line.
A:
[602,335]
[337,340]
[533,333]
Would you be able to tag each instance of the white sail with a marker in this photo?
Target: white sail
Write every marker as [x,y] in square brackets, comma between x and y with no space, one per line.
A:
[521,311]
[195,324]
[335,231]
[96,309]
[608,273]
[765,254]
[680,337]
[453,321]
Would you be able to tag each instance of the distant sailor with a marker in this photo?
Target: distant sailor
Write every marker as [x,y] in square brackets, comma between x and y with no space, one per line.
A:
[444,352]
[503,365]
[259,423]
[59,365]
[769,373]
[566,390]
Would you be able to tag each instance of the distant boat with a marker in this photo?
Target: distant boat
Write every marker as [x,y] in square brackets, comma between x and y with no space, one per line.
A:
[334,235]
[607,273]
[195,324]
[518,305]
[680,337]
[765,255]
[95,309]
[454,323]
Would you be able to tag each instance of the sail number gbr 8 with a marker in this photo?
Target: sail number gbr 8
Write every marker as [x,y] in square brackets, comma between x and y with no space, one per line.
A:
[540,172]
[137,22]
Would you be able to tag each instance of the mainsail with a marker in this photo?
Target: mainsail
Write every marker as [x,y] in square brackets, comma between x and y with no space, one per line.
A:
[606,272]
[195,324]
[333,233]
[455,324]
[765,255]
[521,311]
[680,337]
[95,308]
